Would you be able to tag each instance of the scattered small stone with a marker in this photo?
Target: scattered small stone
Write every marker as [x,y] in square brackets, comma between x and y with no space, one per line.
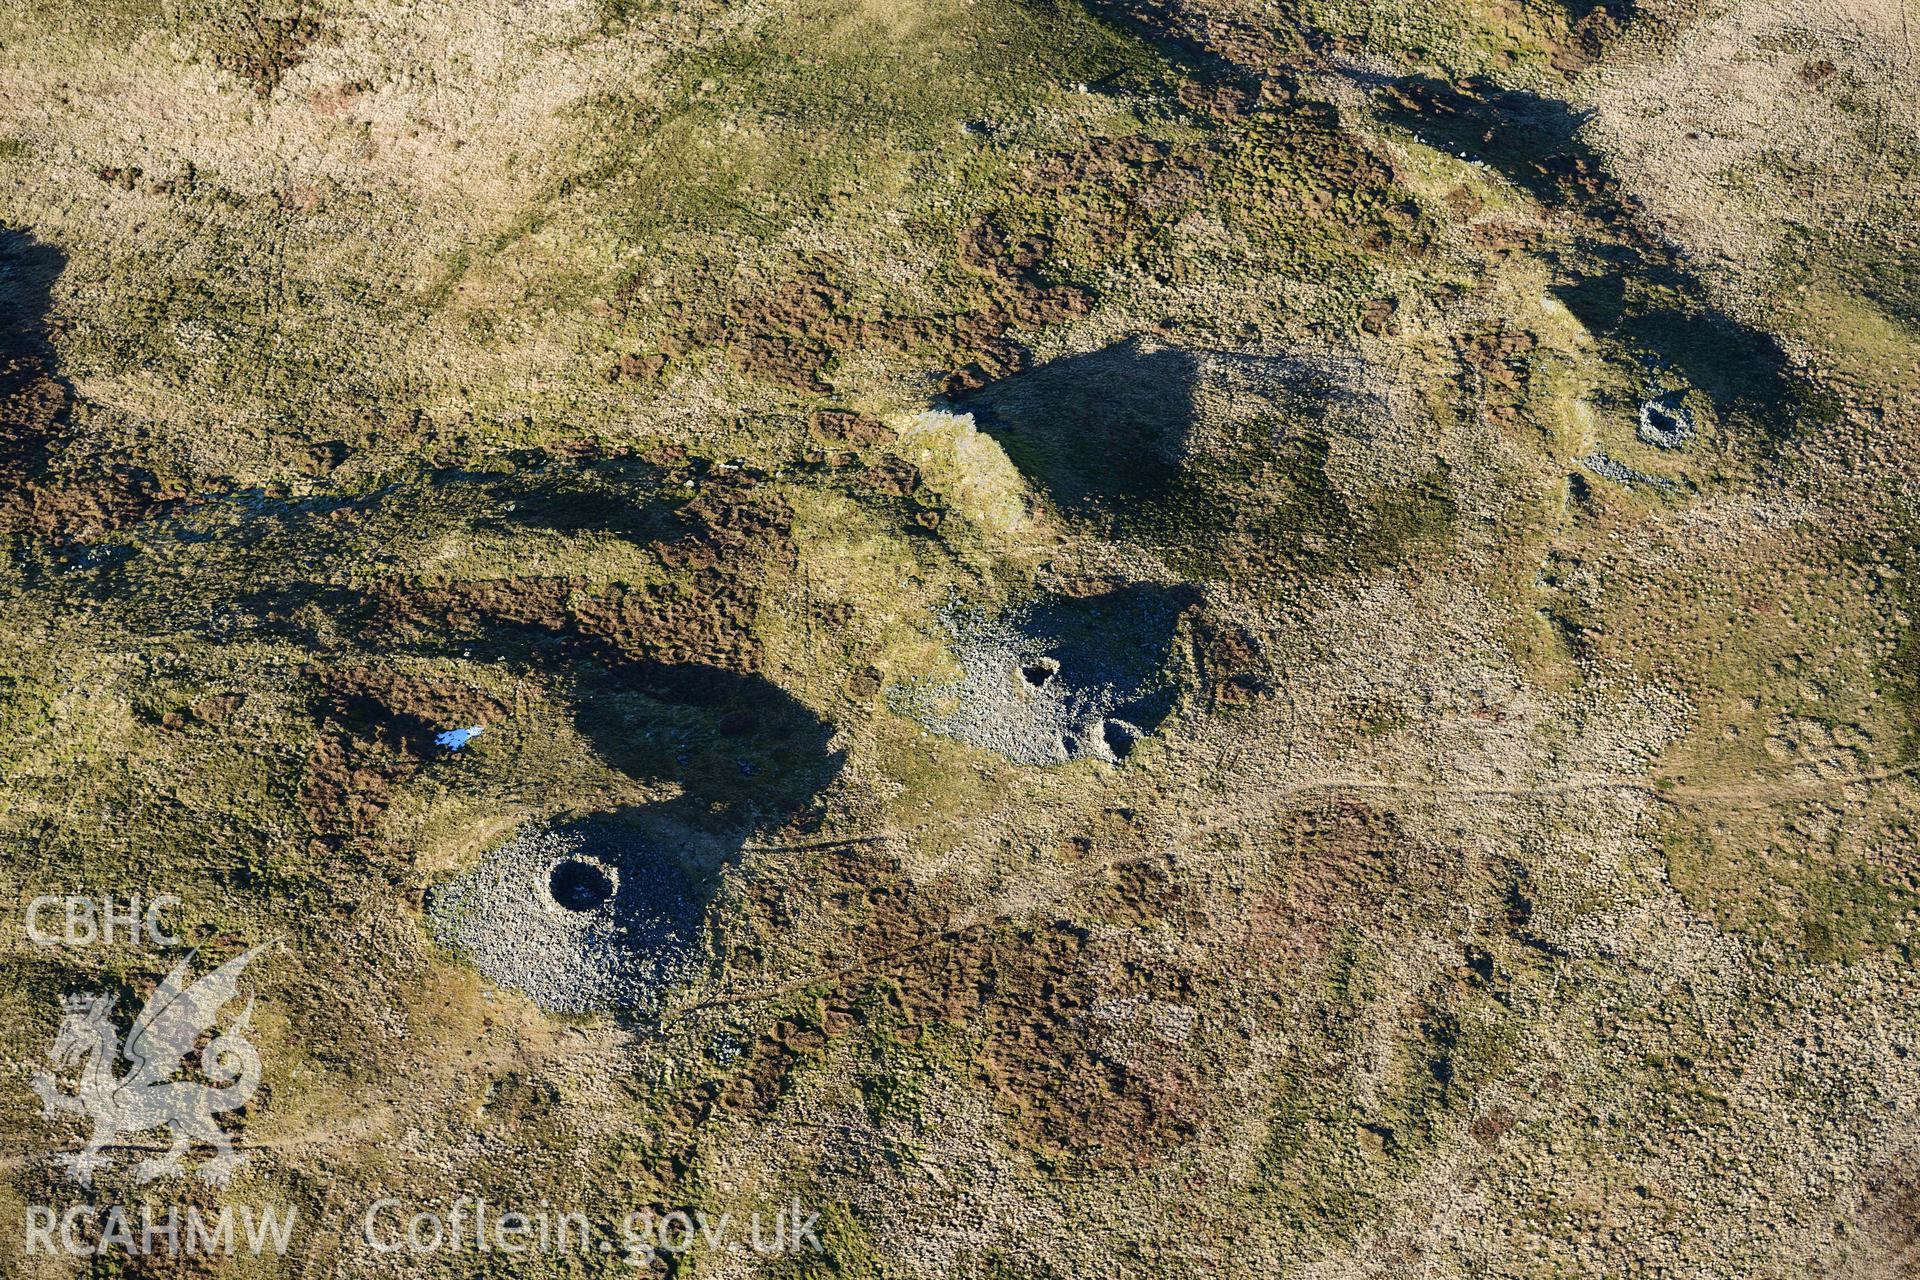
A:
[1664,423]
[1618,472]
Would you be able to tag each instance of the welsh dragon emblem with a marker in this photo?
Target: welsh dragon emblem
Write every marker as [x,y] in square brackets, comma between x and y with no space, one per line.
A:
[147,1096]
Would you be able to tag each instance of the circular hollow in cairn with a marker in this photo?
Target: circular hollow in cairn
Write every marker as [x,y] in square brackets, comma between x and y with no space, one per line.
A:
[1664,423]
[578,885]
[1039,672]
[1037,678]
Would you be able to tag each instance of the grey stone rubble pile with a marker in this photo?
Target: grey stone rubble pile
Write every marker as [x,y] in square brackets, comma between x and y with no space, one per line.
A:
[1664,423]
[621,953]
[1620,473]
[1036,695]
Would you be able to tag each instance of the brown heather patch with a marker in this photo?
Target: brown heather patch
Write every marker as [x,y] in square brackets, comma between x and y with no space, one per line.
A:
[1109,195]
[1029,994]
[850,428]
[376,730]
[1026,997]
[895,477]
[1496,364]
[1231,669]
[1890,1213]
[1586,40]
[346,783]
[1109,182]
[737,534]
[1349,866]
[1225,46]
[262,47]
[401,713]
[34,499]
[790,337]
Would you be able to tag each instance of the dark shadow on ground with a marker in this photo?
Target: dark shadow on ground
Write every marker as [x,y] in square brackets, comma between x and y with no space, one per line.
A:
[1100,432]
[621,496]
[28,268]
[1618,278]
[54,501]
[1119,639]
[34,398]
[738,743]
[650,674]
[1113,438]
